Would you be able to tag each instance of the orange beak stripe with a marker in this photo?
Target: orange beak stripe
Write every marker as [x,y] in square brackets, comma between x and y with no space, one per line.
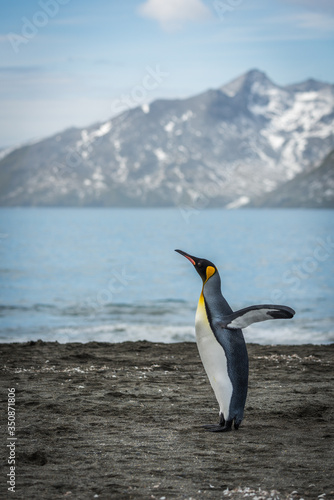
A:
[191,260]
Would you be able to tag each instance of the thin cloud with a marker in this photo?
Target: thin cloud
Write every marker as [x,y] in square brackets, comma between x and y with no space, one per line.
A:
[284,27]
[309,25]
[107,62]
[172,14]
[20,69]
[95,61]
[325,6]
[316,21]
[71,21]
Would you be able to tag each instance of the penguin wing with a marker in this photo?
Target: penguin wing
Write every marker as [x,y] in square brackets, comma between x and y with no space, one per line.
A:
[253,314]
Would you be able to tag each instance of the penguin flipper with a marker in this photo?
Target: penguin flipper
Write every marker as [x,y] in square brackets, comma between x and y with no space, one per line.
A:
[254,314]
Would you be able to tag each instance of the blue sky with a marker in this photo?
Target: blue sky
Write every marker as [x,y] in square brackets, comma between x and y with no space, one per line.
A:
[72,63]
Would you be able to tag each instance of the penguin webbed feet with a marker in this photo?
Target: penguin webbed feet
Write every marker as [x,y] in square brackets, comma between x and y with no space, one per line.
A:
[217,428]
[223,426]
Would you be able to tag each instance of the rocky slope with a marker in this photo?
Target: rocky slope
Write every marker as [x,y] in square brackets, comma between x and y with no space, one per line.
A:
[226,146]
[312,189]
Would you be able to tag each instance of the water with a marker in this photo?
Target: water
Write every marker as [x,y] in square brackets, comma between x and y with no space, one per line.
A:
[112,275]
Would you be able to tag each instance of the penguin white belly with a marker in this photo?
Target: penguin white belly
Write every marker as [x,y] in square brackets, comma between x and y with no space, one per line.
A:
[214,359]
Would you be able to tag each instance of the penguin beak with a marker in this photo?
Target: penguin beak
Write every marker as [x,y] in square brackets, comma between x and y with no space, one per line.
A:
[189,257]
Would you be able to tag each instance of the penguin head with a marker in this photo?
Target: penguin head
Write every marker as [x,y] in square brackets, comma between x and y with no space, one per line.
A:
[204,267]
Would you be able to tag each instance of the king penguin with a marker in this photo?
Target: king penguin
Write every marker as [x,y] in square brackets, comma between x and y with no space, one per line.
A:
[221,343]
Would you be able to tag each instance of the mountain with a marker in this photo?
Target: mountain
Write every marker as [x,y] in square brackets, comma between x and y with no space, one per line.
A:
[311,189]
[223,147]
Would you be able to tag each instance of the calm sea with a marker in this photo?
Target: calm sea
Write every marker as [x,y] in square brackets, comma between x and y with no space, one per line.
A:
[112,274]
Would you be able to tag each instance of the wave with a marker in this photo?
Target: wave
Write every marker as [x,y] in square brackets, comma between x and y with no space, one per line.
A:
[119,332]
[293,333]
[159,321]
[86,308]
[265,334]
[4,308]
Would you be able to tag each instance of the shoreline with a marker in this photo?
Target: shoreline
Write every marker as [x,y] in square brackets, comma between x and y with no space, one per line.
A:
[123,420]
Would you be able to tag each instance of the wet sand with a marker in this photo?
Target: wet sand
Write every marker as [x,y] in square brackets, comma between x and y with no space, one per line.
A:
[123,421]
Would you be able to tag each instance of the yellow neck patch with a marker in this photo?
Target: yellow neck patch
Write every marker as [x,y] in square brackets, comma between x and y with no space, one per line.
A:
[209,272]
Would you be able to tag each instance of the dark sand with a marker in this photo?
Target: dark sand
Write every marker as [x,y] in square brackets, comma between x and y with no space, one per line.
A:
[123,421]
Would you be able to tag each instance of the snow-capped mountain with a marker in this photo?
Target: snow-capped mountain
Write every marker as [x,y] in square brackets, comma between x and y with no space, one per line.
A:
[224,147]
[311,189]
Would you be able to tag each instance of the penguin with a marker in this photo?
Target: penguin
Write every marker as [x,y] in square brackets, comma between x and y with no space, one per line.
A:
[221,343]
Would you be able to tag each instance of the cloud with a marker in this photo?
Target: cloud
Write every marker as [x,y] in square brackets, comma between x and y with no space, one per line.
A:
[20,69]
[312,20]
[172,14]
[71,21]
[326,6]
[304,23]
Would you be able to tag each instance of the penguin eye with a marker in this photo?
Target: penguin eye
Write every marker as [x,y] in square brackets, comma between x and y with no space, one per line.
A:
[199,264]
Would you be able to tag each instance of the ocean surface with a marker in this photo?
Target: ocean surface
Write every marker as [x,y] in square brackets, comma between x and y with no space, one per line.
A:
[77,275]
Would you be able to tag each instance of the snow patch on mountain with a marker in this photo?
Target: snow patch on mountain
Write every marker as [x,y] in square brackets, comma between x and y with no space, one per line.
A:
[221,147]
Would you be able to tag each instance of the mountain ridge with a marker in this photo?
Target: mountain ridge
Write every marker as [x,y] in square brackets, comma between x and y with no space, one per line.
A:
[226,146]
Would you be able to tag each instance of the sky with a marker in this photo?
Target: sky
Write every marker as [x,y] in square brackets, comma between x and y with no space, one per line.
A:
[70,63]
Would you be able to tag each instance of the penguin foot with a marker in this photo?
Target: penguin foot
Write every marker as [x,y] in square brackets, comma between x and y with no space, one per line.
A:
[217,428]
[227,426]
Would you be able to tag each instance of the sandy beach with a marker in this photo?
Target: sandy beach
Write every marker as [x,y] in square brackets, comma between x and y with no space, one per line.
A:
[123,421]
